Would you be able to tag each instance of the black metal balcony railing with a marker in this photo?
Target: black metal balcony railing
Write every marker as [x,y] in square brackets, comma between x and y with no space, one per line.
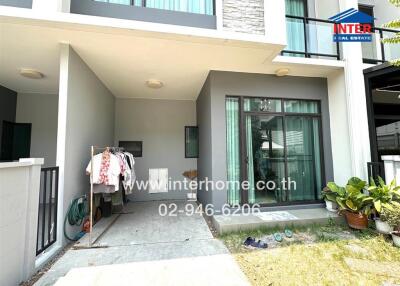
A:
[205,7]
[310,38]
[376,52]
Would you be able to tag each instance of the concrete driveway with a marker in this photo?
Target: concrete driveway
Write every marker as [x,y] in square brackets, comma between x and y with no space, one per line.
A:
[144,248]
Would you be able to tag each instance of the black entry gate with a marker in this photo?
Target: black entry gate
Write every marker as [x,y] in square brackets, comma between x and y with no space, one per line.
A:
[47,215]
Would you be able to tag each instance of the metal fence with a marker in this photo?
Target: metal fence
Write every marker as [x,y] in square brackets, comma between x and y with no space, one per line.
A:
[375,169]
[47,216]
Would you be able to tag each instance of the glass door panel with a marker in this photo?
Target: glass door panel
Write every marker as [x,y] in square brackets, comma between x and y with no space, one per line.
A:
[265,158]
[304,157]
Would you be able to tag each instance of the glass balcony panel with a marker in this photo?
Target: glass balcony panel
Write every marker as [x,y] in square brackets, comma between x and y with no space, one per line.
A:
[371,50]
[295,33]
[392,51]
[320,39]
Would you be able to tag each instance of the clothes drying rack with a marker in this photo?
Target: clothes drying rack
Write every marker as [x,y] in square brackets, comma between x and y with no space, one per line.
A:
[92,151]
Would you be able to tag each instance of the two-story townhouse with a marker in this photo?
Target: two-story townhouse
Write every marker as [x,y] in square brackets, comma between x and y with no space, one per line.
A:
[272,95]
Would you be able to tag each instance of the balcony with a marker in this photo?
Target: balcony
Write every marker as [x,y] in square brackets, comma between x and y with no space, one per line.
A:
[376,52]
[310,38]
[17,3]
[200,13]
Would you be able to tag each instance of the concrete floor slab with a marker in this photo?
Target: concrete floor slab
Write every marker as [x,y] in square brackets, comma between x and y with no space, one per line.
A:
[231,223]
[142,235]
[218,270]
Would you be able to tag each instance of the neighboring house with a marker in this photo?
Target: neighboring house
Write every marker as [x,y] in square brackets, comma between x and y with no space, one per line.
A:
[272,95]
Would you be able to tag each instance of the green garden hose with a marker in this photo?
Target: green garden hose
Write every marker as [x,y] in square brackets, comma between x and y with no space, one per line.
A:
[77,212]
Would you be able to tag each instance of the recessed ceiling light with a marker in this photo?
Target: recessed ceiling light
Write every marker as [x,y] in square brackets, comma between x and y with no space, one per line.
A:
[31,73]
[282,72]
[154,83]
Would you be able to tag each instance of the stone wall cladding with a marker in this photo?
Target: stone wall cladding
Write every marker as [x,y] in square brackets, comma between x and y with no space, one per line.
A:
[245,16]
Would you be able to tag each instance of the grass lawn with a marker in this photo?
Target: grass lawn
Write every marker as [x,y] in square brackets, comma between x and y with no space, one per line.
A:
[318,255]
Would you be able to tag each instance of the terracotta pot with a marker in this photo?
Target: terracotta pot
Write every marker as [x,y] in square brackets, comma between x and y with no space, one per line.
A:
[356,220]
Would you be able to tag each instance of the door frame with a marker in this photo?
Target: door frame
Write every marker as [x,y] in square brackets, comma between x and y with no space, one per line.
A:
[283,115]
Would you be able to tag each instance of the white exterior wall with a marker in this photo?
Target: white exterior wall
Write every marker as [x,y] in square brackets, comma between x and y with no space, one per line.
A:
[356,102]
[392,168]
[49,6]
[19,206]
[341,148]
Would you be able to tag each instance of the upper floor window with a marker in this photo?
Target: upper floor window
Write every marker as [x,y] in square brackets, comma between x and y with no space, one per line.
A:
[205,7]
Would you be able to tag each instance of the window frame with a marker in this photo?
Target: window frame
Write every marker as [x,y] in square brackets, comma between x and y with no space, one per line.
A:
[198,143]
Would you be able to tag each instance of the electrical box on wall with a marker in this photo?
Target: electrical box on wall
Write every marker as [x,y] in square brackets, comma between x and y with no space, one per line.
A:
[158,181]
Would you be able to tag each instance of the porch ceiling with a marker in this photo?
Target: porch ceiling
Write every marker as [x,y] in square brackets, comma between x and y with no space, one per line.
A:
[125,59]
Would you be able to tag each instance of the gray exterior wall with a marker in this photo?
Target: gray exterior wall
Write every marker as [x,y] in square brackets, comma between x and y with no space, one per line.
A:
[90,121]
[42,111]
[17,3]
[8,107]
[246,16]
[90,7]
[257,85]
[160,124]
[204,162]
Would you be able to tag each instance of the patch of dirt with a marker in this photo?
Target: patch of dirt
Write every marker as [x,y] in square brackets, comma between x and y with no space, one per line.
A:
[210,225]
[356,249]
[340,235]
[46,268]
[391,269]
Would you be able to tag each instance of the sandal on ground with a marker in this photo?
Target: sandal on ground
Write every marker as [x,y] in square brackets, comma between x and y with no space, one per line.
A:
[278,237]
[288,233]
[249,241]
[262,244]
[259,244]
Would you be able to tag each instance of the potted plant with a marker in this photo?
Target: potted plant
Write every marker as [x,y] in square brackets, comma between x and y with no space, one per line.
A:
[382,196]
[330,199]
[353,202]
[392,216]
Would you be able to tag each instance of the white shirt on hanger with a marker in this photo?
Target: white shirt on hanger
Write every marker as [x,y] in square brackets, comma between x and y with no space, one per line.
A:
[113,171]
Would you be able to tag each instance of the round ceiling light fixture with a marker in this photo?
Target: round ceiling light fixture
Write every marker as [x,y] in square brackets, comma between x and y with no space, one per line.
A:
[31,73]
[154,83]
[282,72]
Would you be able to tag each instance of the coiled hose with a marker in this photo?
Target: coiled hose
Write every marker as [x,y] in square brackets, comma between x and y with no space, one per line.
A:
[77,212]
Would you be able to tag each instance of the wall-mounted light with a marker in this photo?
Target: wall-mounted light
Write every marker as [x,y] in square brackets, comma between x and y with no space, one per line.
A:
[31,73]
[282,72]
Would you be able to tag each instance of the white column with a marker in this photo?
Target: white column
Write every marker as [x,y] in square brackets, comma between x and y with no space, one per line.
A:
[219,14]
[62,135]
[356,102]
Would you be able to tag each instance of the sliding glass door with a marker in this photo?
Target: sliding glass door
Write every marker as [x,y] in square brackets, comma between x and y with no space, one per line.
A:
[280,146]
[265,158]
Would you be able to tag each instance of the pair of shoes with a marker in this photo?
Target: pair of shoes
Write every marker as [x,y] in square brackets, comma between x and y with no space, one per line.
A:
[279,238]
[252,242]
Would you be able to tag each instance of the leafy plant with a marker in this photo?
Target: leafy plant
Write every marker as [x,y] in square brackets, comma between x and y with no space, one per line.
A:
[395,24]
[328,194]
[352,197]
[391,214]
[383,194]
